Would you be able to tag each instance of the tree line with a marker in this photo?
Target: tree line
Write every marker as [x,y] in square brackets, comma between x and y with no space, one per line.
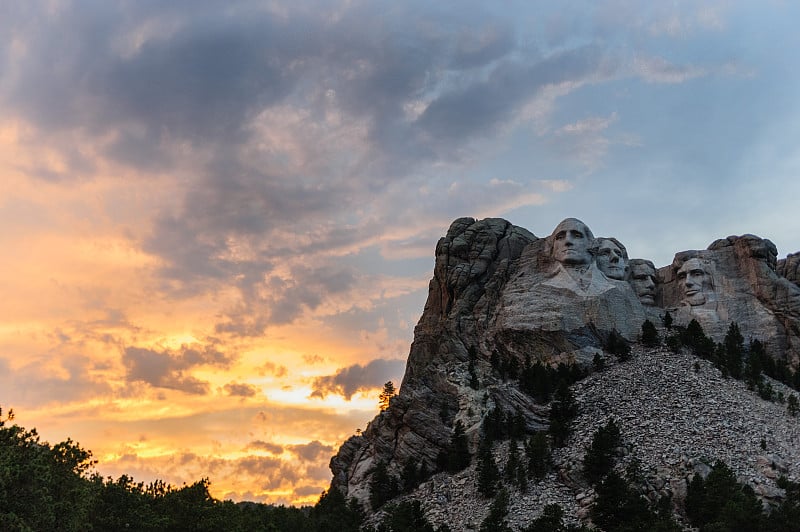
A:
[46,487]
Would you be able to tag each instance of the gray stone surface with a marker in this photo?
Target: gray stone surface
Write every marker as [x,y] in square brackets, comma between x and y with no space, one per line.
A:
[790,268]
[500,292]
[740,284]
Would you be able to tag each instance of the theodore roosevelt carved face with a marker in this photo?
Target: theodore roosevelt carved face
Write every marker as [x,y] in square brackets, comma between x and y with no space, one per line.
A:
[643,280]
[571,242]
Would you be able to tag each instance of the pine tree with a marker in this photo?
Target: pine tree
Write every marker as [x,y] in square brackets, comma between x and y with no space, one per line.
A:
[513,462]
[792,405]
[488,474]
[456,456]
[382,486]
[734,350]
[563,410]
[649,334]
[538,454]
[495,521]
[384,399]
[667,321]
[599,458]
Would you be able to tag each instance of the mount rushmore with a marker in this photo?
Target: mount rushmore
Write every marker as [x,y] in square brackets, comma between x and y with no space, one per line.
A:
[500,294]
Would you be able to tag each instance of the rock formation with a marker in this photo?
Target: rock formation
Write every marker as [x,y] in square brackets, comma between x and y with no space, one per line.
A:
[790,267]
[735,280]
[502,297]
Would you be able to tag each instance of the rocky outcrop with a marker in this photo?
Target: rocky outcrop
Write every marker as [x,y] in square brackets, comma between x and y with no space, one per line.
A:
[675,419]
[740,284]
[790,267]
[473,263]
[501,297]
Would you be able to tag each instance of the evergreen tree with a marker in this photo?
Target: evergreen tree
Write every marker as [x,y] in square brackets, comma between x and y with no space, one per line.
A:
[550,520]
[667,319]
[488,474]
[513,462]
[333,512]
[563,410]
[382,486]
[406,516]
[495,521]
[616,345]
[495,425]
[734,350]
[598,363]
[619,508]
[458,456]
[474,383]
[720,503]
[792,405]
[386,395]
[649,334]
[537,381]
[599,458]
[538,454]
[695,339]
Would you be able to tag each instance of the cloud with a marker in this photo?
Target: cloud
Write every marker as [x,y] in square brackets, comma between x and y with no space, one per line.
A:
[658,70]
[265,446]
[356,378]
[235,389]
[313,451]
[272,369]
[51,379]
[481,106]
[170,369]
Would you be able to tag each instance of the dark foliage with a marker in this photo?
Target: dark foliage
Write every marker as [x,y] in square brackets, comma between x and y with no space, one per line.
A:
[620,508]
[495,520]
[617,345]
[537,451]
[720,503]
[406,516]
[649,334]
[382,486]
[44,487]
[563,410]
[488,474]
[599,458]
[667,319]
[456,456]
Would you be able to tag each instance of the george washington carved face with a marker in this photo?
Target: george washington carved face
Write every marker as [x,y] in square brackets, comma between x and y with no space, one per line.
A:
[571,242]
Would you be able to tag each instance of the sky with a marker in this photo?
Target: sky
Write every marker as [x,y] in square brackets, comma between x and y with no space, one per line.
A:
[218,219]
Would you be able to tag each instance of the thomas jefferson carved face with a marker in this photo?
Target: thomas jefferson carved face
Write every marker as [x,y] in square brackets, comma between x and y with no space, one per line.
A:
[695,280]
[643,281]
[571,242]
[611,258]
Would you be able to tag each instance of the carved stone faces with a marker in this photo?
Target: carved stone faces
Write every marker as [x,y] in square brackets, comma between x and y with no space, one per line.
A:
[571,242]
[643,281]
[695,280]
[611,258]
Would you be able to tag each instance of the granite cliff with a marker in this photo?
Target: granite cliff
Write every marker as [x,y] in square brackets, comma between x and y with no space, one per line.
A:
[502,298]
